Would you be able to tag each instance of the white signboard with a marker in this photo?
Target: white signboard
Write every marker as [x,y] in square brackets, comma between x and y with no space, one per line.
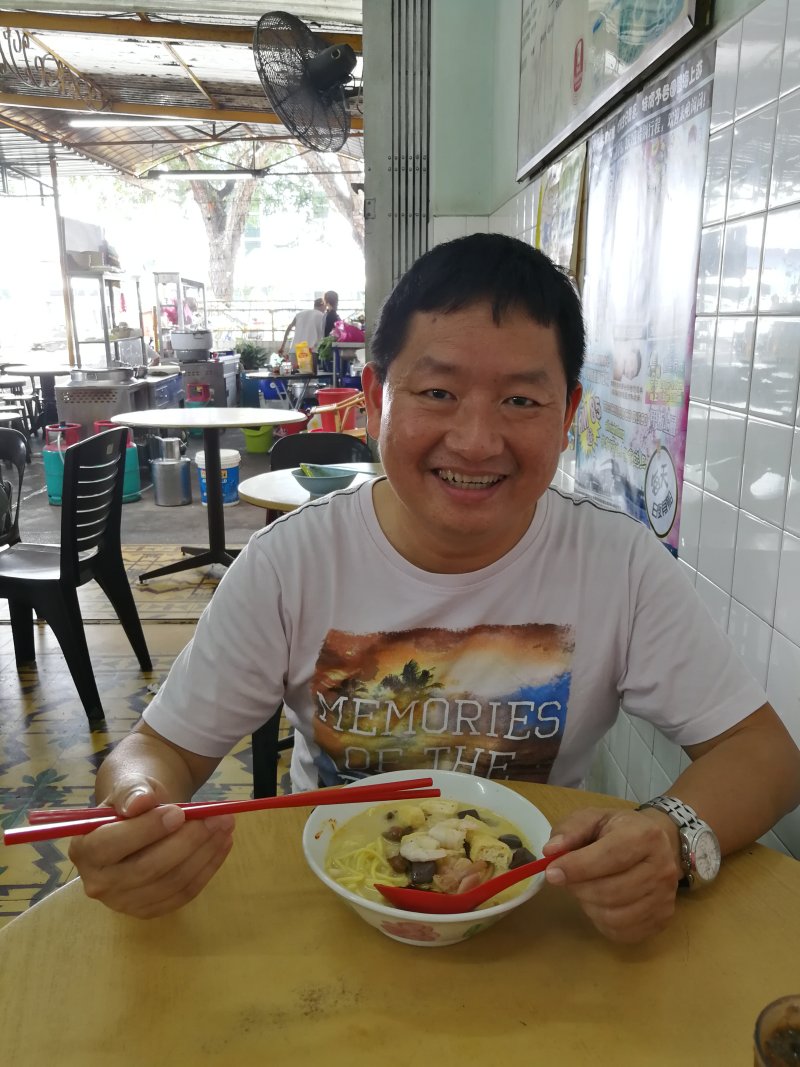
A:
[577,56]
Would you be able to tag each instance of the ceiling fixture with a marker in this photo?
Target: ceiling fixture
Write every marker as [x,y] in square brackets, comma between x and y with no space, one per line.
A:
[304,80]
[204,175]
[87,124]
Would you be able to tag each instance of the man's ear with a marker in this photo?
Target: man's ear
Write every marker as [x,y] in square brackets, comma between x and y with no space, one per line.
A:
[373,399]
[573,400]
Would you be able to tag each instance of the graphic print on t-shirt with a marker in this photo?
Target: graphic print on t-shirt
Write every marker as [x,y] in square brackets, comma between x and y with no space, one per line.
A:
[490,700]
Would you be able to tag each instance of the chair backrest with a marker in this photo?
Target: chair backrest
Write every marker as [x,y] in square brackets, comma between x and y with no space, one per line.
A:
[91,499]
[318,448]
[13,451]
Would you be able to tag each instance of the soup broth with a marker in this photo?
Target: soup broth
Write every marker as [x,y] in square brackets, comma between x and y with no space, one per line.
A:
[435,844]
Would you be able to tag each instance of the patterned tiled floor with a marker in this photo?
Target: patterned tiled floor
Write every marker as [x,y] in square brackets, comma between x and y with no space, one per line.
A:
[48,752]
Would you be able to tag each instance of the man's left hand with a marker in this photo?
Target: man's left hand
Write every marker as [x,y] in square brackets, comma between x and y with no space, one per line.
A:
[622,868]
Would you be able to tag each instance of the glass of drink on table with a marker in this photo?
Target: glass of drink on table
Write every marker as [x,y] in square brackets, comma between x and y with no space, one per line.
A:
[777,1034]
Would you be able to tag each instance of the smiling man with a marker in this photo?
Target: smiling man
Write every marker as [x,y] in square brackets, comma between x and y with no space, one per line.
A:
[460,614]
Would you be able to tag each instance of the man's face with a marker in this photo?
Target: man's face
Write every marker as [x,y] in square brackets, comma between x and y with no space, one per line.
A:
[470,421]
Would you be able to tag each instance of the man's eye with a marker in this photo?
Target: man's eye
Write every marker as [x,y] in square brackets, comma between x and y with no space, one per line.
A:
[437,394]
[521,402]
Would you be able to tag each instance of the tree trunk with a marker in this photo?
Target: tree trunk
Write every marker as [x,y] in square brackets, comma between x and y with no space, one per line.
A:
[224,212]
[339,191]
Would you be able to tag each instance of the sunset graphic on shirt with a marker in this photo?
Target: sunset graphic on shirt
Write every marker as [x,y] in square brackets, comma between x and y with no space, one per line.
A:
[490,700]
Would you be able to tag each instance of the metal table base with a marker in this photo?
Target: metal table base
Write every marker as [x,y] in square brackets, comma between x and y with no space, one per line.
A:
[217,552]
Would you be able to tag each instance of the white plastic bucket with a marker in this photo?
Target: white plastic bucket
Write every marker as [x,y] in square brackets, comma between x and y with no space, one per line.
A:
[229,460]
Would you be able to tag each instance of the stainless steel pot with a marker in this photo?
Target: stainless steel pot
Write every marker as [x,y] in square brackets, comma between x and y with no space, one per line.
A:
[305,390]
[101,374]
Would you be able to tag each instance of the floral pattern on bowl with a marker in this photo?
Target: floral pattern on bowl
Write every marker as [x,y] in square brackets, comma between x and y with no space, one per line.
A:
[407,931]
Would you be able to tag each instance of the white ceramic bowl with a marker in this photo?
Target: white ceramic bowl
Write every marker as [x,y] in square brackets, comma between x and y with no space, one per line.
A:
[413,927]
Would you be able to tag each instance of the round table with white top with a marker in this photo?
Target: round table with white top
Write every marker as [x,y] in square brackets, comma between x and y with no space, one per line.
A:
[47,374]
[279,491]
[210,421]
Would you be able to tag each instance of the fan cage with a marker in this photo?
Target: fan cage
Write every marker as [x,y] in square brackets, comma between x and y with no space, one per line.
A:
[283,46]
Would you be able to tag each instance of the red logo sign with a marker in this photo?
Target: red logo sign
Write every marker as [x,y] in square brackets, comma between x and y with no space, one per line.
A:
[577,66]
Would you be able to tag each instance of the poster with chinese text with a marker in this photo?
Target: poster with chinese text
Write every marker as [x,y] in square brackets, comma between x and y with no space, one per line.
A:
[577,57]
[645,190]
[557,220]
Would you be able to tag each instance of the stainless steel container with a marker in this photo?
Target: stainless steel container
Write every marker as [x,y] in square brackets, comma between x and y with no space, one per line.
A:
[169,447]
[191,345]
[115,373]
[172,482]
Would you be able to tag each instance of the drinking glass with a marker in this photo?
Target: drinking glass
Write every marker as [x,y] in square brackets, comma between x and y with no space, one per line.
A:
[777,1033]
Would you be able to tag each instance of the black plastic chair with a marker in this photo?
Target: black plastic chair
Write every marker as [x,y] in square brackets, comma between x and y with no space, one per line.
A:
[45,578]
[318,447]
[13,451]
[266,749]
[289,452]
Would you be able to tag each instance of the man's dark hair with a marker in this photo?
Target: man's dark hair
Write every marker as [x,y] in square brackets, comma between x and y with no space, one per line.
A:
[332,298]
[484,267]
[319,304]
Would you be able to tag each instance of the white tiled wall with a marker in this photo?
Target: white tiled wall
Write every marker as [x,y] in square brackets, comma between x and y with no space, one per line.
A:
[740,528]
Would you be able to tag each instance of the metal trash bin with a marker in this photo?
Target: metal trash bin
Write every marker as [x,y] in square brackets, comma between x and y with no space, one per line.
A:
[172,482]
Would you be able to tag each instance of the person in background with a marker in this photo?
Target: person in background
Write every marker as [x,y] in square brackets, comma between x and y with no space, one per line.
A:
[308,326]
[331,312]
[460,613]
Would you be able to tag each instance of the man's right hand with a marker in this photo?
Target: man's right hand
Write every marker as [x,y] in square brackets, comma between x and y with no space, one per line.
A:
[155,861]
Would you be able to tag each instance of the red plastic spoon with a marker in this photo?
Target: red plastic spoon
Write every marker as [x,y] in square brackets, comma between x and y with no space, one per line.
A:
[434,903]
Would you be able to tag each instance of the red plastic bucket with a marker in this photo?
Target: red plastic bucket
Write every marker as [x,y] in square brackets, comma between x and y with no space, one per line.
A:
[287,428]
[60,435]
[328,418]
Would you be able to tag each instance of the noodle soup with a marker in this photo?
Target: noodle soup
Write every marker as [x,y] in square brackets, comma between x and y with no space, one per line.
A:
[437,844]
[506,808]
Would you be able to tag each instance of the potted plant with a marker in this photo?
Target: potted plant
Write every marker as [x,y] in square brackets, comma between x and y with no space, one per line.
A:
[252,356]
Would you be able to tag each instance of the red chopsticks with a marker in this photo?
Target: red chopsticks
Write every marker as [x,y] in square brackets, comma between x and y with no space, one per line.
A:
[47,824]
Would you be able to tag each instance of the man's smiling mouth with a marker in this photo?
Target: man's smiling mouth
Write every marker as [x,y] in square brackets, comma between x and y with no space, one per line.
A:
[468,481]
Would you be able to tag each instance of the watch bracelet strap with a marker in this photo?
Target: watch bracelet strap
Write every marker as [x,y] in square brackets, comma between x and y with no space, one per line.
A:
[680,813]
[684,817]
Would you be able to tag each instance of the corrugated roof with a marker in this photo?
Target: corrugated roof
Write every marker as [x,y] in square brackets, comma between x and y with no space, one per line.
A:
[153,68]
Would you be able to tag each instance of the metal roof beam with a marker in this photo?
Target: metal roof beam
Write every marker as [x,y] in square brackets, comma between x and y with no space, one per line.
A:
[182,63]
[169,31]
[161,111]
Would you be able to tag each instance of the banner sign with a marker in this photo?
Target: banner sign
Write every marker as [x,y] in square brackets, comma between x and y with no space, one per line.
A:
[558,215]
[645,191]
[577,57]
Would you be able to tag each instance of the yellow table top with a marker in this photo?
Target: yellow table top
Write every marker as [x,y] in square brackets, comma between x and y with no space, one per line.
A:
[266,966]
[279,490]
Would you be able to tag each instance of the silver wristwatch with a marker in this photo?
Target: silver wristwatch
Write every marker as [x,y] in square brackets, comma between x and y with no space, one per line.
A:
[700,852]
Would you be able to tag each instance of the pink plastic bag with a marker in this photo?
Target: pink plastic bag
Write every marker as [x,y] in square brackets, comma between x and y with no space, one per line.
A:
[344,331]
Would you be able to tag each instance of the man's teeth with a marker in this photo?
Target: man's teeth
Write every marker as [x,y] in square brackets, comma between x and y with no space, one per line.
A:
[469,481]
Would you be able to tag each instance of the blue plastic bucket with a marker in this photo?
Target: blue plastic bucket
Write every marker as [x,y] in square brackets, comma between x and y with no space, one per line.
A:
[229,460]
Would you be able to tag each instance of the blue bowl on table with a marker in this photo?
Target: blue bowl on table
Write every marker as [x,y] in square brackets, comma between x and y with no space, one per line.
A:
[321,484]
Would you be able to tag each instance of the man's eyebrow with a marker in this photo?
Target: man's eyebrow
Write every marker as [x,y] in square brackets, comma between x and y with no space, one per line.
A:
[433,363]
[534,376]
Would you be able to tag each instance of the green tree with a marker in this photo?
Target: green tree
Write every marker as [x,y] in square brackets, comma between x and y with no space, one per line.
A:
[226,205]
[313,185]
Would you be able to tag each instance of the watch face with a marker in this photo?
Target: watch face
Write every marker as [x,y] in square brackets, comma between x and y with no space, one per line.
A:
[707,856]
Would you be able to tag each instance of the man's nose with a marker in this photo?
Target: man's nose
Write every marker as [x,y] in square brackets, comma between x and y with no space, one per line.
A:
[474,432]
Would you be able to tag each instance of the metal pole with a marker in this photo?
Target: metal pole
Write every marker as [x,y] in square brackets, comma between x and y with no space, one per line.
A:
[62,258]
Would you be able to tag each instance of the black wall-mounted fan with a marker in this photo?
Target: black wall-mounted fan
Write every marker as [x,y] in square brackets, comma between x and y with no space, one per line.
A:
[304,80]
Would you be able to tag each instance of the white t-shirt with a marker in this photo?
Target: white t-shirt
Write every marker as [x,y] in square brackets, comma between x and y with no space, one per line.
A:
[308,327]
[512,671]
